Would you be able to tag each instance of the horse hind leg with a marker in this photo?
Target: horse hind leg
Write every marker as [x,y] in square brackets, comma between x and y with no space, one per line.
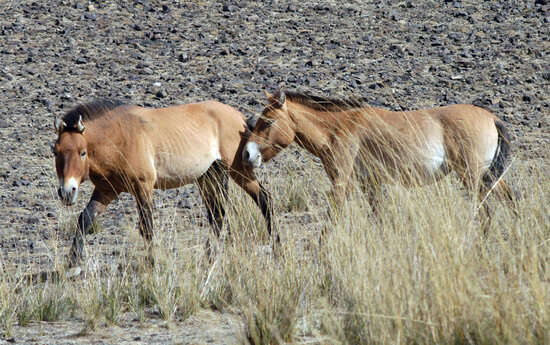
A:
[213,187]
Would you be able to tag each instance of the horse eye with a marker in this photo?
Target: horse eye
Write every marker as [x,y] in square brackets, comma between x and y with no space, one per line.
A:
[268,122]
[83,154]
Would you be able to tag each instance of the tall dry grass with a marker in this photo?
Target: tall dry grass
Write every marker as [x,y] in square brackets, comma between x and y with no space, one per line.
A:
[420,273]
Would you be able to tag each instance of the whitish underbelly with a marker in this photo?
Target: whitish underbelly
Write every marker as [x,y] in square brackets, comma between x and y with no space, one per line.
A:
[410,165]
[432,158]
[175,170]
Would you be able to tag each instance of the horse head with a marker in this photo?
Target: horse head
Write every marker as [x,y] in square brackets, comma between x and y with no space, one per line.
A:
[71,158]
[273,131]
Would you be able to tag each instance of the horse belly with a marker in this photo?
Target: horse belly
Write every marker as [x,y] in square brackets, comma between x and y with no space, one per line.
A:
[434,158]
[415,166]
[174,170]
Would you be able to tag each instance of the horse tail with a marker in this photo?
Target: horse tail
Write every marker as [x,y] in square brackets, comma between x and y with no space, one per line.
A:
[501,160]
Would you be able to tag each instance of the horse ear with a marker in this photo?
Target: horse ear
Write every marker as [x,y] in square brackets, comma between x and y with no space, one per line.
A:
[251,123]
[59,125]
[80,126]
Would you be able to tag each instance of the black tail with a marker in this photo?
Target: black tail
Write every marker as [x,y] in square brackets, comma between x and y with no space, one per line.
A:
[501,160]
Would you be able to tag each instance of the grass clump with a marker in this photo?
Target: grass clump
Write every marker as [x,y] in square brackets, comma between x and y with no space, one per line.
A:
[421,272]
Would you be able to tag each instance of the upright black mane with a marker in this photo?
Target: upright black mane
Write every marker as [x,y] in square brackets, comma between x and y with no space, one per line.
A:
[89,111]
[323,103]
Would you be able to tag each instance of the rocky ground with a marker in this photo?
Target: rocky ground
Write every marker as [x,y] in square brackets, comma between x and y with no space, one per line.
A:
[398,54]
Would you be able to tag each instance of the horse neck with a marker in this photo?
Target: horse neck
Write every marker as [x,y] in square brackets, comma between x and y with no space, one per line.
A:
[102,138]
[313,127]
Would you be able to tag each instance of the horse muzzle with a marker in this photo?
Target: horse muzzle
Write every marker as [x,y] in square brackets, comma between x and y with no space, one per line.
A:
[252,155]
[68,192]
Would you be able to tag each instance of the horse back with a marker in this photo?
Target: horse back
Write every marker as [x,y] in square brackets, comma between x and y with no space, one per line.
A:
[193,135]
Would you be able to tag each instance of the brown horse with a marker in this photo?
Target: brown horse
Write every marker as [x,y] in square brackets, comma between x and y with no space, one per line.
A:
[379,146]
[127,148]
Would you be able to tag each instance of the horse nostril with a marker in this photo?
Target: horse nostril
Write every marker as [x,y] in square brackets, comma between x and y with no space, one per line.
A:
[59,192]
[73,189]
[246,155]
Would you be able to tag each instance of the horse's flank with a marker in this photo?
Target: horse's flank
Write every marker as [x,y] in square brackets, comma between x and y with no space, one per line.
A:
[171,146]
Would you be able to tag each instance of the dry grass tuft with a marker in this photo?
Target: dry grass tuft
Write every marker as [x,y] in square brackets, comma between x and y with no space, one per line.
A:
[420,273]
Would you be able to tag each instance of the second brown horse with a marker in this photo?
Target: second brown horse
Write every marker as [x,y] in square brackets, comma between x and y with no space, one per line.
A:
[379,146]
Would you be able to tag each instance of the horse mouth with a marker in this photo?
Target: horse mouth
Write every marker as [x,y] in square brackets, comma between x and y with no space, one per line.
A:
[253,162]
[252,155]
[256,162]
[67,200]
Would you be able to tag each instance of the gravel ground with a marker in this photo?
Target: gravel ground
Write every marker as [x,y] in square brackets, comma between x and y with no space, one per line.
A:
[398,54]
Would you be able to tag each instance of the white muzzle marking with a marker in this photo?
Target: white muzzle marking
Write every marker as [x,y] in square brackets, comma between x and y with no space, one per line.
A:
[252,155]
[68,191]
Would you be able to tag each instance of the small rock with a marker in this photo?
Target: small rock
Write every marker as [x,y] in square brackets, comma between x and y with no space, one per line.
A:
[161,94]
[394,15]
[499,18]
[291,8]
[4,123]
[90,16]
[81,61]
[46,102]
[183,57]
[227,8]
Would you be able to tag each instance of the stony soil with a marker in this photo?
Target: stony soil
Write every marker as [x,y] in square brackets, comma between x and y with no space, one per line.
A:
[398,54]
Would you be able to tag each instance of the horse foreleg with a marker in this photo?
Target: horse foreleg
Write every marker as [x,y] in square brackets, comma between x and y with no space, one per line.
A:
[339,175]
[247,181]
[97,204]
